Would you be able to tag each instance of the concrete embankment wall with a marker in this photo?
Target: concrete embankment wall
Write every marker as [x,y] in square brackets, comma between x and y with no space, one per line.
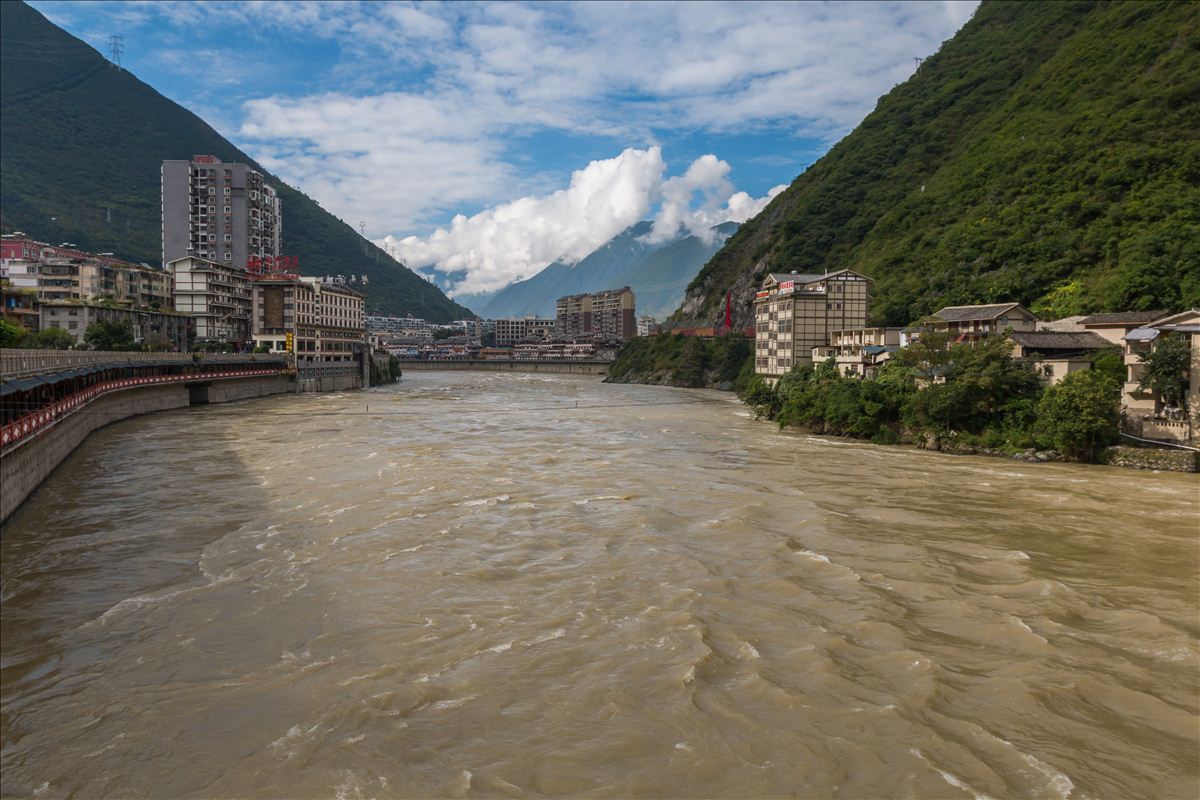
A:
[24,467]
[561,367]
[331,383]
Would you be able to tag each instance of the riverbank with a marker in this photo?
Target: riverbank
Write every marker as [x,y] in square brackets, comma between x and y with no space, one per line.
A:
[686,362]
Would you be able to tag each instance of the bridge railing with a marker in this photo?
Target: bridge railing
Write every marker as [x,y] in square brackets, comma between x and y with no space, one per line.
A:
[16,363]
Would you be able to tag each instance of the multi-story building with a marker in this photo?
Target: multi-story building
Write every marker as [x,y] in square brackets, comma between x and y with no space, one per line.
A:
[19,306]
[67,273]
[971,323]
[319,322]
[795,313]
[606,315]
[513,330]
[573,316]
[1145,412]
[859,352]
[1055,354]
[646,326]
[1114,325]
[162,330]
[217,295]
[613,314]
[220,212]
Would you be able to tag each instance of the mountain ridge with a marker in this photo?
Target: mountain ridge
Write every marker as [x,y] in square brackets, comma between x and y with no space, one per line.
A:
[96,182]
[657,273]
[1047,154]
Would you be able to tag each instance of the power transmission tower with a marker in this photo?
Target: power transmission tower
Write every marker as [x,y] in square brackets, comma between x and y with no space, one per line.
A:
[116,46]
[362,231]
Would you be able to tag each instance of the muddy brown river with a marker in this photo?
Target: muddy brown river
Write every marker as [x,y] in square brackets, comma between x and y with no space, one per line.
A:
[487,585]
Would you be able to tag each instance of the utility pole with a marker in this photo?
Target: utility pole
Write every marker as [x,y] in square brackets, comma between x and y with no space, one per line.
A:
[116,46]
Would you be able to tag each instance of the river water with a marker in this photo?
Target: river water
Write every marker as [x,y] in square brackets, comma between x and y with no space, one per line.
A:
[474,584]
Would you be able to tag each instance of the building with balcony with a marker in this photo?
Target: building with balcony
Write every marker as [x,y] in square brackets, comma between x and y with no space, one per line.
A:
[19,306]
[795,313]
[319,322]
[1055,354]
[216,295]
[161,330]
[66,273]
[971,323]
[1113,326]
[607,315]
[1144,411]
[220,212]
[859,352]
[513,330]
[573,316]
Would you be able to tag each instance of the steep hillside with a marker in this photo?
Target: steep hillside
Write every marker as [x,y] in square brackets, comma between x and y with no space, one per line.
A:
[1048,153]
[657,273]
[82,144]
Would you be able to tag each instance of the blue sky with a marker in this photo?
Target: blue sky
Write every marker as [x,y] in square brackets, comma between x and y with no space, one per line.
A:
[488,139]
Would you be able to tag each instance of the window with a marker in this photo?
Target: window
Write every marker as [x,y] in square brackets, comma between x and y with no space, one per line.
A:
[72,325]
[226,190]
[228,237]
[228,209]
[212,190]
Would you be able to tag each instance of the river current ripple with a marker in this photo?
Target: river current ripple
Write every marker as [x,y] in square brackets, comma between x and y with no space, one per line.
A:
[474,584]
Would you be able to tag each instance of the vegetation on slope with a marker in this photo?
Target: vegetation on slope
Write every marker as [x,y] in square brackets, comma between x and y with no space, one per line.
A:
[83,143]
[1047,154]
[687,361]
[986,402]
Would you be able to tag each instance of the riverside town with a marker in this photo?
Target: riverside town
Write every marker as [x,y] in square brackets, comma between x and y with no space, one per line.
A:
[548,399]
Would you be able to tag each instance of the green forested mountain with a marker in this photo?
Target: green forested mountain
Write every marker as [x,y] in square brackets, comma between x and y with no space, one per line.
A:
[81,144]
[1049,153]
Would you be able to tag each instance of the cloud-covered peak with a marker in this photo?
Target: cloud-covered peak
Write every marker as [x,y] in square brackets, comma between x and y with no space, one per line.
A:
[515,240]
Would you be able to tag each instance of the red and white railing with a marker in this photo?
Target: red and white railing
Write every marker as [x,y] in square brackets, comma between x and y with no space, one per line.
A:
[42,418]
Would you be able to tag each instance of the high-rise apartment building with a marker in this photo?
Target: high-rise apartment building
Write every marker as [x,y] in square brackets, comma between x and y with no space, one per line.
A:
[220,212]
[613,314]
[607,314]
[794,313]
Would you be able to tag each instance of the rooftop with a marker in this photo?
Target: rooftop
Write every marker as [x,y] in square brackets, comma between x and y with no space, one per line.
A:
[971,313]
[1123,318]
[1060,340]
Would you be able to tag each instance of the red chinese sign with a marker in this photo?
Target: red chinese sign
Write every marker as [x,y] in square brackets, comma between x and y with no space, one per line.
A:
[273,264]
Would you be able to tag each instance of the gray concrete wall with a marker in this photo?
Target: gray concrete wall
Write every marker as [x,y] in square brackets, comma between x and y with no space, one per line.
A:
[562,367]
[24,467]
[331,383]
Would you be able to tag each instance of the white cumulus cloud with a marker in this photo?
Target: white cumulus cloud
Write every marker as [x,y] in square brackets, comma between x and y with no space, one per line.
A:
[515,240]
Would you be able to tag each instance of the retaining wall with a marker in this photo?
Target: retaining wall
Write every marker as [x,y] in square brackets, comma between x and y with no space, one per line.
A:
[1149,458]
[23,468]
[561,367]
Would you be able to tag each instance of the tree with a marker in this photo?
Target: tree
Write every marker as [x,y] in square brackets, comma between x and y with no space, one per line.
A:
[927,354]
[1168,367]
[1080,414]
[109,335]
[159,342]
[50,339]
[12,334]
